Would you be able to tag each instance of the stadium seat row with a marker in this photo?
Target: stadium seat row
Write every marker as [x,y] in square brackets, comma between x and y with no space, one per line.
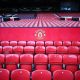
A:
[22,74]
[40,43]
[39,49]
[51,62]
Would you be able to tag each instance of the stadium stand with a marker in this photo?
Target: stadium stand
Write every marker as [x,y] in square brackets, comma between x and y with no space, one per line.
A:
[40,43]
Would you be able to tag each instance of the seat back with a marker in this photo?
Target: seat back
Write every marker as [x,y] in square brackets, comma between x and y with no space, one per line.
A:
[55,60]
[40,61]
[71,62]
[39,49]
[62,75]
[12,61]
[4,43]
[20,74]
[26,61]
[50,49]
[29,49]
[18,49]
[4,74]
[77,75]
[41,75]
[7,49]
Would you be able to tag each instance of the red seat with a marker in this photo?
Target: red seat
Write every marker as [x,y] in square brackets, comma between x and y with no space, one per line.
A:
[76,43]
[73,50]
[18,49]
[20,74]
[13,43]
[71,62]
[29,49]
[55,60]
[78,59]
[21,43]
[4,43]
[4,74]
[39,49]
[48,43]
[1,50]
[62,75]
[2,57]
[12,61]
[62,49]
[57,43]
[77,75]
[50,49]
[7,49]
[26,61]
[40,43]
[66,43]
[41,75]
[40,61]
[31,43]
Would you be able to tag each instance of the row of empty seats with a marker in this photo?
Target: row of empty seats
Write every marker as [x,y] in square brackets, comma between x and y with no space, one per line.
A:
[21,74]
[26,16]
[39,49]
[40,43]
[50,62]
[36,23]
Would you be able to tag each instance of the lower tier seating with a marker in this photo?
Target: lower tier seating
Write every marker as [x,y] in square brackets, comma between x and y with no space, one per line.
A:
[39,50]
[30,62]
[57,60]
[22,74]
[40,43]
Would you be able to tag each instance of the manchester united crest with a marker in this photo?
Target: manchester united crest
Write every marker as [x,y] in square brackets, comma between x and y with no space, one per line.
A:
[40,34]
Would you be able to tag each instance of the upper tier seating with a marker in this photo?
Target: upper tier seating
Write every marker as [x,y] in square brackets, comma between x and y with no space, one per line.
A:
[26,16]
[43,20]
